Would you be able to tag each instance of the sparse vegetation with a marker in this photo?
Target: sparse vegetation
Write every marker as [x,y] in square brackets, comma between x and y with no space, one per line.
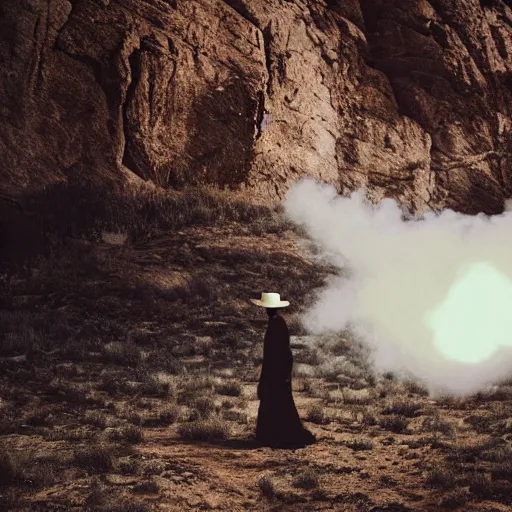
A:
[229,388]
[360,444]
[307,479]
[130,434]
[404,408]
[394,423]
[266,486]
[317,414]
[204,430]
[114,335]
[442,478]
[95,458]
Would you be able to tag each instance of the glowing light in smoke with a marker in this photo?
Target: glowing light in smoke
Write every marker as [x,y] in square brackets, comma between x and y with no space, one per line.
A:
[433,297]
[475,318]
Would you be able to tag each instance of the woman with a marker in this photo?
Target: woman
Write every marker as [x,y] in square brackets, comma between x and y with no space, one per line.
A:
[278,425]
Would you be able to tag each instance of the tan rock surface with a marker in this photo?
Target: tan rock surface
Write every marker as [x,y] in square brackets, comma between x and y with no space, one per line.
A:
[410,98]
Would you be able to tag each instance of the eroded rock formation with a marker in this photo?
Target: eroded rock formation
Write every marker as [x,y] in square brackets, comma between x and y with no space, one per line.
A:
[409,98]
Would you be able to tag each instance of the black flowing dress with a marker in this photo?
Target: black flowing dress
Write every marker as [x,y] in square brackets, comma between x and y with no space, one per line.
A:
[278,422]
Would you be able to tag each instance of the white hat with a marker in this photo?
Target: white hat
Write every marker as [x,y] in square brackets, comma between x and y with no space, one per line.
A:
[270,300]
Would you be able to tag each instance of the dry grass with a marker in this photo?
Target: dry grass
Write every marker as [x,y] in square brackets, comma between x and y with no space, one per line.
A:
[266,486]
[108,348]
[307,479]
[204,430]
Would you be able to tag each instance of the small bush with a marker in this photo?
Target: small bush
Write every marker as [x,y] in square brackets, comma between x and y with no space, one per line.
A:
[204,406]
[359,445]
[416,388]
[125,354]
[229,388]
[149,487]
[317,414]
[96,459]
[436,424]
[266,486]
[9,467]
[454,499]
[129,467]
[406,408]
[130,434]
[357,397]
[152,386]
[96,418]
[502,471]
[169,414]
[306,480]
[441,478]
[394,423]
[204,430]
[480,485]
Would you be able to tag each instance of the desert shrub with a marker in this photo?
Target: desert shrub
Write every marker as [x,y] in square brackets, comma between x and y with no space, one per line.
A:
[126,354]
[497,393]
[41,471]
[441,478]
[394,423]
[317,414]
[239,417]
[150,487]
[266,486]
[96,418]
[415,387]
[305,386]
[204,406]
[151,385]
[437,424]
[169,414]
[129,466]
[229,388]
[454,499]
[204,430]
[359,397]
[9,467]
[480,485]
[61,389]
[227,405]
[480,423]
[131,434]
[308,356]
[360,444]
[21,341]
[404,408]
[503,471]
[369,416]
[95,458]
[308,479]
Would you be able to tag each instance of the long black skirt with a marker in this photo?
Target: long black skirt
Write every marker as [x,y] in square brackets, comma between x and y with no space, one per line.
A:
[278,424]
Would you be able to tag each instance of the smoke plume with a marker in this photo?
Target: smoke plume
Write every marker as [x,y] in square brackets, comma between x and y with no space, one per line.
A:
[432,296]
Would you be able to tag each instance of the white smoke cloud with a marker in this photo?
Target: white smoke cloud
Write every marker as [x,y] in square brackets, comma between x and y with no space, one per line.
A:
[432,296]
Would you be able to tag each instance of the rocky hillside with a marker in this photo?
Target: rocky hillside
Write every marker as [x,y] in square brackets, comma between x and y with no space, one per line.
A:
[411,98]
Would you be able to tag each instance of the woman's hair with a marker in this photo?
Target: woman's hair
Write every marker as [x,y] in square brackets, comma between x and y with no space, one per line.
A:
[272,311]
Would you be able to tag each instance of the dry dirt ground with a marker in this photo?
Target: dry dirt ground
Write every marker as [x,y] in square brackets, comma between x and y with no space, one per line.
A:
[128,378]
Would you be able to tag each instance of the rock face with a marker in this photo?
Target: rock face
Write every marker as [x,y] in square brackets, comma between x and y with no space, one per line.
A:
[411,99]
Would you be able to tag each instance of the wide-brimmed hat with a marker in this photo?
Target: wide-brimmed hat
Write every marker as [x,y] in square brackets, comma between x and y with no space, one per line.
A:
[270,300]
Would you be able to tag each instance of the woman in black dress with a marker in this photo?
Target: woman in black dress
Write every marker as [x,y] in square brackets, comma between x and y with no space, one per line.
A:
[278,424]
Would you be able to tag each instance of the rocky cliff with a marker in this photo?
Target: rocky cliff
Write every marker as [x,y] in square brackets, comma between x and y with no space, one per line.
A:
[410,98]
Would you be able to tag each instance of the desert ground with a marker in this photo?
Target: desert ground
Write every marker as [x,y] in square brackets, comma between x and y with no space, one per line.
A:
[129,359]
